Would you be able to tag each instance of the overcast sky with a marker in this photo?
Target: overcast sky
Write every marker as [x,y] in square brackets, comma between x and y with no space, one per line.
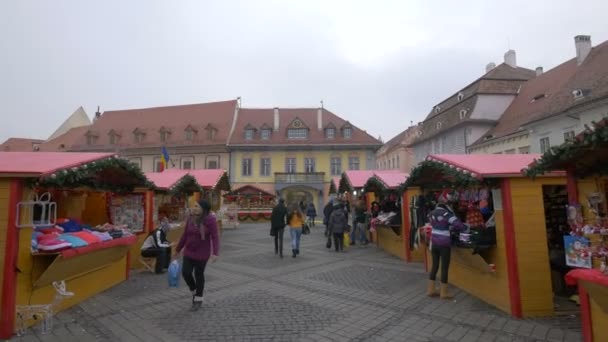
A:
[379,64]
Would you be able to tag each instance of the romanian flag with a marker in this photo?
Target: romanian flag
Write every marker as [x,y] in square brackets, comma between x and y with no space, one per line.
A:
[164,159]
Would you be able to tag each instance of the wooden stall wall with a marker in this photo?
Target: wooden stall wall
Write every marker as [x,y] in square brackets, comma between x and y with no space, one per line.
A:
[4,198]
[471,273]
[390,242]
[585,187]
[416,255]
[531,244]
[600,321]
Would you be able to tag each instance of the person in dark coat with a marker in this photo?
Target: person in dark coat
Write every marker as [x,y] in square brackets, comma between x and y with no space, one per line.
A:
[278,221]
[311,213]
[338,222]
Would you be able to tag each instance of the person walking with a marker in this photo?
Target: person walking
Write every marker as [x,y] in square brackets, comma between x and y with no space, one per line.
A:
[199,243]
[338,223]
[278,220]
[326,213]
[359,224]
[311,213]
[443,220]
[296,221]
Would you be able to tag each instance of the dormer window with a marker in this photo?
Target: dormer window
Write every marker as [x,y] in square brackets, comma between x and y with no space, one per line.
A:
[211,131]
[91,137]
[189,133]
[330,133]
[437,109]
[297,133]
[460,97]
[165,134]
[265,133]
[138,135]
[463,114]
[249,134]
[438,125]
[578,94]
[347,132]
[114,139]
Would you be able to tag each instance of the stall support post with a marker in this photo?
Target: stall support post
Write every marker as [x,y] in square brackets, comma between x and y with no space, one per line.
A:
[405,225]
[149,210]
[571,187]
[511,249]
[9,286]
[587,327]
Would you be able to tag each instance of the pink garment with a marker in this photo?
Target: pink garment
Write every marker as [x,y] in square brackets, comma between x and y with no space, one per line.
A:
[194,246]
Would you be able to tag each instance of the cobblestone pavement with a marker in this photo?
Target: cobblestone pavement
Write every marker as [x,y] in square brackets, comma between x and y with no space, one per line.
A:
[252,295]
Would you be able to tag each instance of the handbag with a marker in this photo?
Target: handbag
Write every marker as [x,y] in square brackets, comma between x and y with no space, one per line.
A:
[305,229]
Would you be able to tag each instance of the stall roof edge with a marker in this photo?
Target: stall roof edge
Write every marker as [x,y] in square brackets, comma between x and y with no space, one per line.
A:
[35,164]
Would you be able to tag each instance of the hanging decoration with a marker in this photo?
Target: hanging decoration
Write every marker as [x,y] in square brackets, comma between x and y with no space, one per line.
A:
[441,175]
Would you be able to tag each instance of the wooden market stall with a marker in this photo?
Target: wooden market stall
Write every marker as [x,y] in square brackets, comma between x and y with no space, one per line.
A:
[585,160]
[54,227]
[215,183]
[505,258]
[352,182]
[174,190]
[381,190]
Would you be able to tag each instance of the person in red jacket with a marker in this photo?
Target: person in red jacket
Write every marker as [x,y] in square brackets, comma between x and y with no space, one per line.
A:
[200,243]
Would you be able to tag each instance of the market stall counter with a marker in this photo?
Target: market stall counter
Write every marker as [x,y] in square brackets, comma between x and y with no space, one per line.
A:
[585,160]
[503,258]
[54,227]
[381,191]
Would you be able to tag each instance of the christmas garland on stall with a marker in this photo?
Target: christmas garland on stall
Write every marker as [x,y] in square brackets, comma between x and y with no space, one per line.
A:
[187,185]
[449,176]
[111,174]
[374,183]
[569,153]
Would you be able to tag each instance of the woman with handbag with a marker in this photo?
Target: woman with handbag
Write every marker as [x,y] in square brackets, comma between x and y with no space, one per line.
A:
[199,243]
[296,221]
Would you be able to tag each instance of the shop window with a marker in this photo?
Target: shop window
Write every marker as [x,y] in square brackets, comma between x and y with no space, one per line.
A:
[569,136]
[336,166]
[187,163]
[524,150]
[290,165]
[309,165]
[265,167]
[128,210]
[246,167]
[544,145]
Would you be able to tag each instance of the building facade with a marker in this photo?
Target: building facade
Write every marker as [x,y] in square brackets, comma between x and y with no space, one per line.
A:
[466,116]
[295,153]
[555,106]
[395,153]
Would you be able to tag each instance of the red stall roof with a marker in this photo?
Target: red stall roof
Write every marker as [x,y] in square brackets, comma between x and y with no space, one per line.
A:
[487,165]
[166,179]
[35,164]
[358,178]
[390,178]
[208,178]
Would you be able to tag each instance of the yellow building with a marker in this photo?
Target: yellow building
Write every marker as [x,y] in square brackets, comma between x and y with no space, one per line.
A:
[295,153]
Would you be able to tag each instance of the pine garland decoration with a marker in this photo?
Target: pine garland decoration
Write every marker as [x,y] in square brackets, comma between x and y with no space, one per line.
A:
[187,185]
[438,175]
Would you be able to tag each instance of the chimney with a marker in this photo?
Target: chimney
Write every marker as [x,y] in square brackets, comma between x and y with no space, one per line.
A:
[490,66]
[276,119]
[539,71]
[320,119]
[97,114]
[583,47]
[510,59]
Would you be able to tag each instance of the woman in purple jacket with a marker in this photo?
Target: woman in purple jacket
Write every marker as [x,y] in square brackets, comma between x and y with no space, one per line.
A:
[443,220]
[200,243]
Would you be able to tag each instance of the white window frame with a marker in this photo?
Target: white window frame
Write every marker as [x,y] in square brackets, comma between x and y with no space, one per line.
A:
[569,136]
[249,134]
[211,159]
[347,132]
[330,133]
[265,167]
[246,167]
[524,150]
[336,166]
[290,165]
[188,159]
[265,134]
[309,165]
[297,133]
[545,144]
[463,114]
[135,161]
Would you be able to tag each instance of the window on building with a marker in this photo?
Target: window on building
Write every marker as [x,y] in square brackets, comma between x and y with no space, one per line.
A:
[463,114]
[113,139]
[544,145]
[348,132]
[336,166]
[135,161]
[309,165]
[265,167]
[297,133]
[189,134]
[139,137]
[164,136]
[398,162]
[290,165]
[524,150]
[91,139]
[460,97]
[569,136]
[211,133]
[212,162]
[187,163]
[437,109]
[511,151]
[353,163]
[248,134]
[246,167]
[330,133]
[438,125]
[265,134]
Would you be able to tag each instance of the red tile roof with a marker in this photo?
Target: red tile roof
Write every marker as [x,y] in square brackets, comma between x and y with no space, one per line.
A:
[487,165]
[19,144]
[174,119]
[260,117]
[557,85]
[43,163]
[64,141]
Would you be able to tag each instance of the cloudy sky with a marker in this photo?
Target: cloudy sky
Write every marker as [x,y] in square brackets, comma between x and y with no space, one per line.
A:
[379,64]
